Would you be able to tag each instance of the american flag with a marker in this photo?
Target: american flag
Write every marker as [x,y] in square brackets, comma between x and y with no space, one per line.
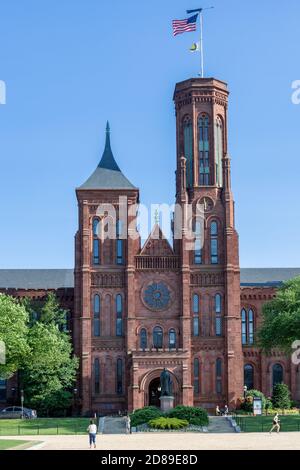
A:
[183,26]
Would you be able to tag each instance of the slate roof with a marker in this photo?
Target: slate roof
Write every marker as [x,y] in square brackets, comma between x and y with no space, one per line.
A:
[107,174]
[63,278]
[36,278]
[267,276]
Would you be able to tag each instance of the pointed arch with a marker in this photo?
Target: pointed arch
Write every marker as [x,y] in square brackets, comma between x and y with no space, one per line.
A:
[188,149]
[204,149]
[219,146]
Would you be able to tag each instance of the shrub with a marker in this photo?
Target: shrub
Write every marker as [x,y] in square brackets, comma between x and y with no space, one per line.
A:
[281,397]
[168,423]
[143,415]
[247,404]
[198,415]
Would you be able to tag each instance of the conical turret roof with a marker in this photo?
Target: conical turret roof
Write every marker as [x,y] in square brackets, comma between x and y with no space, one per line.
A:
[107,174]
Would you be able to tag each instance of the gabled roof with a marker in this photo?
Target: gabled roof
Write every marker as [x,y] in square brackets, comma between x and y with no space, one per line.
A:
[107,174]
[157,244]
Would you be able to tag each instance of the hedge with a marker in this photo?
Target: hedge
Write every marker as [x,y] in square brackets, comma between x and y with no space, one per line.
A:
[168,423]
[143,415]
[194,415]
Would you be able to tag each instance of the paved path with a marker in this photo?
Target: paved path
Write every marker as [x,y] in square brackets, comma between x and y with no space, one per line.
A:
[219,424]
[175,441]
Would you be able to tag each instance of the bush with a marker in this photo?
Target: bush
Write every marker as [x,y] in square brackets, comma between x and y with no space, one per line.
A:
[247,404]
[281,397]
[168,423]
[143,415]
[199,416]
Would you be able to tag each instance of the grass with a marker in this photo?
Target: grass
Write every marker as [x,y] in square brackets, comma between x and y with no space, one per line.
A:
[6,444]
[30,427]
[264,423]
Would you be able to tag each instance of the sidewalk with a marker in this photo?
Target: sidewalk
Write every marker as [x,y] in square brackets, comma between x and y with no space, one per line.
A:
[174,441]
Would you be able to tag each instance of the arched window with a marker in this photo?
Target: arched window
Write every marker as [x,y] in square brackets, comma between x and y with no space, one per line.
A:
[219,376]
[198,242]
[96,311]
[119,315]
[196,376]
[249,376]
[218,315]
[250,327]
[96,227]
[247,326]
[172,339]
[97,376]
[96,242]
[119,242]
[188,149]
[219,150]
[277,371]
[143,338]
[119,374]
[214,243]
[3,387]
[244,326]
[158,337]
[196,311]
[204,157]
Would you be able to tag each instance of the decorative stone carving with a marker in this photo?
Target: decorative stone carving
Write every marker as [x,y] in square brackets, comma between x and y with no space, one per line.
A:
[207,279]
[107,280]
[157,296]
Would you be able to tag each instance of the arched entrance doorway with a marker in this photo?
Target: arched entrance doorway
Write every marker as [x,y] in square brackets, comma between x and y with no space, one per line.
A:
[154,392]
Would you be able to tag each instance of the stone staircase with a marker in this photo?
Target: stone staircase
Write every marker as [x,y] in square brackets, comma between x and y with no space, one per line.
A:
[112,425]
[219,424]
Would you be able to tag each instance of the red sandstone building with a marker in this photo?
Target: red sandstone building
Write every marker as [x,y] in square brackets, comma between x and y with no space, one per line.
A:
[137,309]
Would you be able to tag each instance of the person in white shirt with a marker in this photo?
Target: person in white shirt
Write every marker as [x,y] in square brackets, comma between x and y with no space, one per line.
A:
[92,430]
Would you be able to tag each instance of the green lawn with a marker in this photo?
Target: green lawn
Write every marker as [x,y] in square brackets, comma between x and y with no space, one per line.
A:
[264,423]
[6,444]
[14,427]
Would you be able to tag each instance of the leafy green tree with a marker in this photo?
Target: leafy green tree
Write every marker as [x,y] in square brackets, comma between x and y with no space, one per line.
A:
[50,369]
[13,332]
[281,318]
[281,397]
[46,312]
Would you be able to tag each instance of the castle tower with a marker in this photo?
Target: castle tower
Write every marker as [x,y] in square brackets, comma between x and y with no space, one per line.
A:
[210,265]
[104,264]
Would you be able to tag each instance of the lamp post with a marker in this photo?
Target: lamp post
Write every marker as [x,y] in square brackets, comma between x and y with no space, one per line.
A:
[245,391]
[22,403]
[13,394]
[75,390]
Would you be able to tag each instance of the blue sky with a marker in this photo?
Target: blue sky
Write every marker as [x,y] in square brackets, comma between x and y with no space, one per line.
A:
[70,65]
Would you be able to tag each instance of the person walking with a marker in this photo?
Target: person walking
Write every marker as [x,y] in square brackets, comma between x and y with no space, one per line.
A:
[226,411]
[276,424]
[218,412]
[128,425]
[92,430]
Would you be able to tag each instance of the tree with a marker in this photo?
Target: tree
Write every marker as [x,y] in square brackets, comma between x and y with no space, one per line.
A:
[281,318]
[247,404]
[13,332]
[281,397]
[50,370]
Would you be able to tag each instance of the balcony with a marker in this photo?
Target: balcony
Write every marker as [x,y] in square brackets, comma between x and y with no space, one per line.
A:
[155,263]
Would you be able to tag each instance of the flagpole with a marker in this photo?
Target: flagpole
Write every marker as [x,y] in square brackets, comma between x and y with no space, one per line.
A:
[201,44]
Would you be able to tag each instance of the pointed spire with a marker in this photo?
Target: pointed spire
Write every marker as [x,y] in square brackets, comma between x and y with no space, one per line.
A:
[107,161]
[107,174]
